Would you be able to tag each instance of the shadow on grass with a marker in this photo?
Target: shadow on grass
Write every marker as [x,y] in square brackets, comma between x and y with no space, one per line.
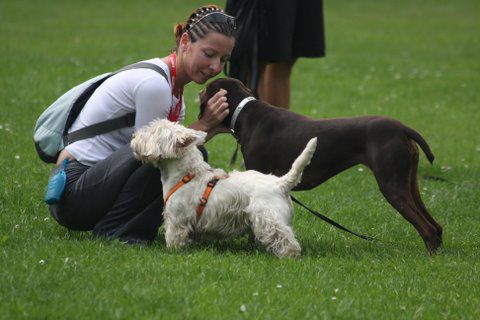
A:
[340,247]
[61,233]
[350,248]
[241,245]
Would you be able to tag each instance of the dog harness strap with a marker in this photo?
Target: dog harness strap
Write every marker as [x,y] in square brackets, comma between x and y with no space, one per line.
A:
[186,179]
[206,194]
[237,111]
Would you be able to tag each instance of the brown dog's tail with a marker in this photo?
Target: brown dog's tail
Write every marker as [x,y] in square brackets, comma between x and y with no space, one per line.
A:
[293,177]
[415,136]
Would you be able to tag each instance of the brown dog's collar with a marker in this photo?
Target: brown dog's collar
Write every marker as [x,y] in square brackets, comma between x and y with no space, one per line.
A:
[237,111]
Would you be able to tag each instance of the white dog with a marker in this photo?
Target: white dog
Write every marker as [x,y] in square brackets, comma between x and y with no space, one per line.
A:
[241,202]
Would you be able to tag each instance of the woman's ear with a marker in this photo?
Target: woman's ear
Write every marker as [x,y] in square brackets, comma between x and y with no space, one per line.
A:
[184,40]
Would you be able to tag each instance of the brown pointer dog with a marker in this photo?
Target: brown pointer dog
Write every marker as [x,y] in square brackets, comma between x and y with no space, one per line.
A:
[272,137]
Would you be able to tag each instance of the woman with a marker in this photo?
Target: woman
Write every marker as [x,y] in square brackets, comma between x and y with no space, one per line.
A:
[107,190]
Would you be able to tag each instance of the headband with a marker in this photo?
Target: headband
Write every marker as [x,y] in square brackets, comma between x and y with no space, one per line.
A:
[216,16]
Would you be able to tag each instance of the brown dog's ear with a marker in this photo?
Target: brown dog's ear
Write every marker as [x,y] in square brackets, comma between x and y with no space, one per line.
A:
[202,109]
[203,102]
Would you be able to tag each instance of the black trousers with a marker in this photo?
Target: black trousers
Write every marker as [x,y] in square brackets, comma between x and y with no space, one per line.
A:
[118,197]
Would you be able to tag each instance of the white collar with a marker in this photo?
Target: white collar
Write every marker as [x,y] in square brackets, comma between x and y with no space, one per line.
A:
[237,111]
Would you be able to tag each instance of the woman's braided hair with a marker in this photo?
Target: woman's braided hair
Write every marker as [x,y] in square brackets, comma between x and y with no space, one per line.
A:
[198,28]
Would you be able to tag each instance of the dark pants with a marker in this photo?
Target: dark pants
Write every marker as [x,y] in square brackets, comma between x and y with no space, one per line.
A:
[118,197]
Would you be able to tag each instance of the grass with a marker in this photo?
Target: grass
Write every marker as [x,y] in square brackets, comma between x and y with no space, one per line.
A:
[414,61]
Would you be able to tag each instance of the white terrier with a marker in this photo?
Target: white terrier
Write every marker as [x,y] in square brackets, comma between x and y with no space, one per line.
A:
[241,202]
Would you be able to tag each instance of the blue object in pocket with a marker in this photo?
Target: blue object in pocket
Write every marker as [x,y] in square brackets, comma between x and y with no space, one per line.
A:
[56,184]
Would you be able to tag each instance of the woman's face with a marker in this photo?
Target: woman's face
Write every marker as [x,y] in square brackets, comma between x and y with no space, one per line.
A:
[206,57]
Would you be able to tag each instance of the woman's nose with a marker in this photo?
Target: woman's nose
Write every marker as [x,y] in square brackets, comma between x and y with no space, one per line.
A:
[216,67]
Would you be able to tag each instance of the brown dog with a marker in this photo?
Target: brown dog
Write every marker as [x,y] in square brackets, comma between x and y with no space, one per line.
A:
[272,137]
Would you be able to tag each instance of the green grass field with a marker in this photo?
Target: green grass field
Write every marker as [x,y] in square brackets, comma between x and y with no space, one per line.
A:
[416,61]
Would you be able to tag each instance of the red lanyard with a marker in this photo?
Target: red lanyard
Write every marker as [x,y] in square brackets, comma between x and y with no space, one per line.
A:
[174,112]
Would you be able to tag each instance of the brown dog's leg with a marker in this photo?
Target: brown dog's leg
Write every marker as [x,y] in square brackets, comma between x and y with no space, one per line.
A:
[403,202]
[394,174]
[418,199]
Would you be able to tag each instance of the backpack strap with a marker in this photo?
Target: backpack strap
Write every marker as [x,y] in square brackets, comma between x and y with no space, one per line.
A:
[127,120]
[96,129]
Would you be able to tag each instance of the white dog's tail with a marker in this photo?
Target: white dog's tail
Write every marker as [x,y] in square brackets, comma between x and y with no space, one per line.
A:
[288,181]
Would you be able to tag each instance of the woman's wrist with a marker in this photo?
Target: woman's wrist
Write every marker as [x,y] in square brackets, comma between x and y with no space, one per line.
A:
[201,126]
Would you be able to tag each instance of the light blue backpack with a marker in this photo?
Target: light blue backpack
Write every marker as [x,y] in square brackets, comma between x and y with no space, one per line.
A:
[51,130]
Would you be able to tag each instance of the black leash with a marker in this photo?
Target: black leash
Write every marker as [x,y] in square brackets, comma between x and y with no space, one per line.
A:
[330,221]
[319,215]
[234,156]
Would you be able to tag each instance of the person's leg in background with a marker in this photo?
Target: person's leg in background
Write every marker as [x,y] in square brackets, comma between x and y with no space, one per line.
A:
[290,29]
[274,85]
[275,51]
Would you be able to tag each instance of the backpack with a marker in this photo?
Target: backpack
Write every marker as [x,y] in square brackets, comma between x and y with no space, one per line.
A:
[51,130]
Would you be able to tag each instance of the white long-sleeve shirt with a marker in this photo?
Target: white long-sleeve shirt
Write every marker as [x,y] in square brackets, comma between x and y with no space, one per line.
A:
[143,91]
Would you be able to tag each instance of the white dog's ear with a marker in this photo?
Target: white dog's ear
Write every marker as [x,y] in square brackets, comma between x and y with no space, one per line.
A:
[185,143]
[194,137]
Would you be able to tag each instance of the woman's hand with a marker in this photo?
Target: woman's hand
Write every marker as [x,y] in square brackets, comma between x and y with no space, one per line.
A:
[215,111]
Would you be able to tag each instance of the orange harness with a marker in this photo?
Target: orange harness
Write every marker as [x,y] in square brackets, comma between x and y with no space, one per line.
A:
[206,194]
[186,179]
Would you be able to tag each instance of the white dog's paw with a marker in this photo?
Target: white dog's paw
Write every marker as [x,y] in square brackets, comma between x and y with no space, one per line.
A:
[176,238]
[292,250]
[178,243]
[292,253]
